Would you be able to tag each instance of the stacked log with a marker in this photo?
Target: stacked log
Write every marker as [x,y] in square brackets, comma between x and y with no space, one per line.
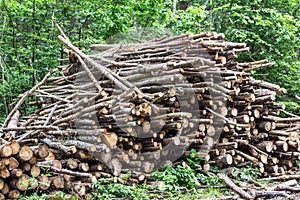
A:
[132,108]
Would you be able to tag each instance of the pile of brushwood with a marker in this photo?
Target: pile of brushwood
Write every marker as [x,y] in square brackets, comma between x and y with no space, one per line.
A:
[132,108]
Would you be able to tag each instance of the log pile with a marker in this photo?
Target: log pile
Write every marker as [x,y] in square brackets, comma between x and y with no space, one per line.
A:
[132,108]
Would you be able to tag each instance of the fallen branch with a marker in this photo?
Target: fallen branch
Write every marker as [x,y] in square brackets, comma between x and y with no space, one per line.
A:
[234,187]
[27,94]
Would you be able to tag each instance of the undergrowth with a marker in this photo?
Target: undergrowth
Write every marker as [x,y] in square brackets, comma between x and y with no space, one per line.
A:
[180,182]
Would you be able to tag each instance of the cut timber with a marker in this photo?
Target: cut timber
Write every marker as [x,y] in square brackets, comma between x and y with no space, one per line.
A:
[25,153]
[13,163]
[22,183]
[4,173]
[44,182]
[1,184]
[266,146]
[5,190]
[14,194]
[35,171]
[15,146]
[58,182]
[42,151]
[264,126]
[6,150]
[15,173]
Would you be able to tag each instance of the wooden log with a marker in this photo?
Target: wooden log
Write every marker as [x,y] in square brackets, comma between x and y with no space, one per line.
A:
[246,156]
[58,182]
[13,163]
[15,173]
[66,171]
[58,145]
[2,163]
[44,182]
[228,145]
[35,171]
[266,146]
[15,146]
[13,194]
[33,160]
[265,126]
[79,188]
[22,183]
[1,184]
[222,160]
[25,167]
[282,146]
[269,194]
[5,190]
[54,163]
[70,163]
[6,150]
[84,155]
[4,173]
[25,154]
[83,167]
[42,151]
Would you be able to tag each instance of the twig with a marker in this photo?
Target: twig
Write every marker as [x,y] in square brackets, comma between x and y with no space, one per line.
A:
[288,113]
[66,171]
[59,146]
[227,120]
[105,71]
[53,96]
[27,94]
[36,129]
[283,177]
[90,74]
[62,32]
[234,187]
[25,128]
[50,115]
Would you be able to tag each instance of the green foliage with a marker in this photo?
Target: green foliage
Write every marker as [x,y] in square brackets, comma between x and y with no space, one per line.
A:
[246,174]
[177,178]
[292,107]
[194,161]
[271,32]
[184,178]
[58,195]
[104,189]
[297,163]
[191,20]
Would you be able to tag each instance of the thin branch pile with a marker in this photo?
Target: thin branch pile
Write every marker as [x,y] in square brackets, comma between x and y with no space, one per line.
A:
[132,108]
